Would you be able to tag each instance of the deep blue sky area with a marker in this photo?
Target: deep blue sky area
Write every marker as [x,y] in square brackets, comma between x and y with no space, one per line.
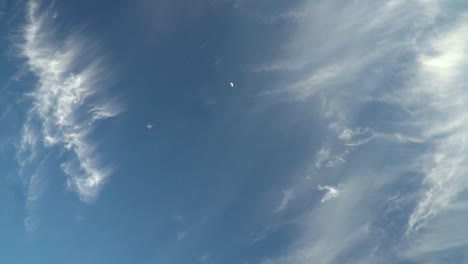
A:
[233,131]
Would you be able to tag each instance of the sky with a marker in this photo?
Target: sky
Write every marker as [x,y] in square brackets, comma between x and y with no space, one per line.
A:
[233,131]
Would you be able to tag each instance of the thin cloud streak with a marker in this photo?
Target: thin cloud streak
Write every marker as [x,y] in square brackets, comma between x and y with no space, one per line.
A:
[288,196]
[440,84]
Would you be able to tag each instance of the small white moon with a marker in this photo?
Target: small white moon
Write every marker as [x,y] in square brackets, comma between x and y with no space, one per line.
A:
[231,84]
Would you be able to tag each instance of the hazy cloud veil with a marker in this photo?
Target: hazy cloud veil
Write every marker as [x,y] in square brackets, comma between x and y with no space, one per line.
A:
[392,78]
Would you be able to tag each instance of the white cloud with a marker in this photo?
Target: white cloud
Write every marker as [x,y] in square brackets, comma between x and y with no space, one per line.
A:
[65,105]
[439,91]
[36,188]
[410,58]
[180,220]
[303,89]
[332,230]
[288,196]
[331,192]
[322,155]
[36,183]
[261,235]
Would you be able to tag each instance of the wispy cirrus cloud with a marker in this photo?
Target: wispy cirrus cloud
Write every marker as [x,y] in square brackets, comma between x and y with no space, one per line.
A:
[65,103]
[439,91]
[396,104]
[288,195]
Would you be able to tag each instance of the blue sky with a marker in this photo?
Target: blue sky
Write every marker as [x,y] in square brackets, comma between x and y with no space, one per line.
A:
[341,139]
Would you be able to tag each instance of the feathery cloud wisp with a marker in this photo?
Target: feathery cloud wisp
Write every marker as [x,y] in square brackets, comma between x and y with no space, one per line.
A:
[65,105]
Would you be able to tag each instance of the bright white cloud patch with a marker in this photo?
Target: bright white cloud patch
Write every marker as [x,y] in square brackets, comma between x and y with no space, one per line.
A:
[330,192]
[65,105]
[440,91]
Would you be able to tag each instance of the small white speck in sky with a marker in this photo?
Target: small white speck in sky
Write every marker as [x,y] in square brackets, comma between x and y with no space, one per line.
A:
[231,84]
